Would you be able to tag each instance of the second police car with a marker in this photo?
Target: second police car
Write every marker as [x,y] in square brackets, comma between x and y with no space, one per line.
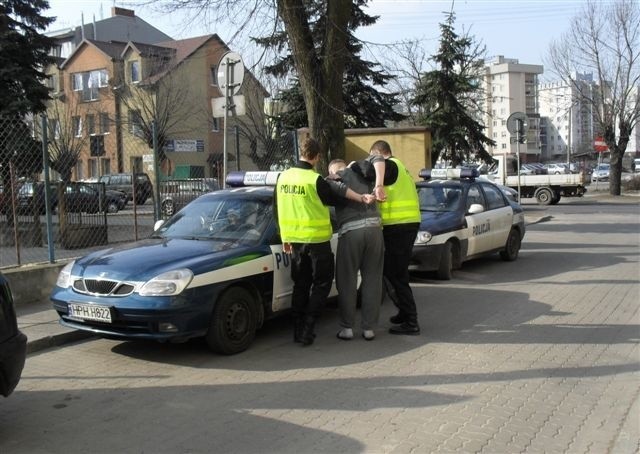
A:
[463,217]
[215,269]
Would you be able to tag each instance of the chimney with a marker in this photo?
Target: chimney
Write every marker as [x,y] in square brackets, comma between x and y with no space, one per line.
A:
[115,11]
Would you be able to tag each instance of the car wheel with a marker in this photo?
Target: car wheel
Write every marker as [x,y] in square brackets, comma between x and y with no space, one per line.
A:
[233,322]
[167,207]
[112,207]
[445,270]
[544,196]
[556,198]
[512,246]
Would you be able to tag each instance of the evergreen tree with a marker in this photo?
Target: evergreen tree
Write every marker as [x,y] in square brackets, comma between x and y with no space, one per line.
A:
[450,98]
[23,56]
[364,106]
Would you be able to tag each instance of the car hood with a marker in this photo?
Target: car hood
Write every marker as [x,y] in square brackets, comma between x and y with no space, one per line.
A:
[437,222]
[143,260]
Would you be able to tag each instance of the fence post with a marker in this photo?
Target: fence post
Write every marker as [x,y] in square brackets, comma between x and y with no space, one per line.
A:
[47,189]
[156,171]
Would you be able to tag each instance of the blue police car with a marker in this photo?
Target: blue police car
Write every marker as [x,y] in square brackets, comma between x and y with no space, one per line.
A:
[463,217]
[215,269]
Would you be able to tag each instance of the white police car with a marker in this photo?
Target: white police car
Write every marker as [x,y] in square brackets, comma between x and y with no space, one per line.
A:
[215,269]
[463,217]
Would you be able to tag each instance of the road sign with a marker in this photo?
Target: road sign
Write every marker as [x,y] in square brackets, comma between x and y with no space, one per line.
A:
[517,123]
[235,72]
[600,145]
[235,106]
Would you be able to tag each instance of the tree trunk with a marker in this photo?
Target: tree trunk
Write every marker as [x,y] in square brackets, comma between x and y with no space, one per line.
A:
[320,68]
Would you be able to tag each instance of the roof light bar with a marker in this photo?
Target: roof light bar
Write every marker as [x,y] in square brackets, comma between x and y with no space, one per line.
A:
[448,174]
[241,178]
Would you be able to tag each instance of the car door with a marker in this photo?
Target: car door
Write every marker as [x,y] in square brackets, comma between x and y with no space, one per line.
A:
[501,215]
[478,224]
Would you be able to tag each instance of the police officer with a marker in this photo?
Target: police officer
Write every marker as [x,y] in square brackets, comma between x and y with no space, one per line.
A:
[302,196]
[400,214]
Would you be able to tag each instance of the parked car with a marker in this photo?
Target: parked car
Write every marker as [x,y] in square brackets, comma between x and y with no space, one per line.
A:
[600,173]
[128,183]
[556,169]
[175,194]
[79,197]
[463,217]
[198,275]
[13,343]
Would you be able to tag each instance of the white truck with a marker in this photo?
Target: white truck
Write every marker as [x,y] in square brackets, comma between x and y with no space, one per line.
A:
[547,189]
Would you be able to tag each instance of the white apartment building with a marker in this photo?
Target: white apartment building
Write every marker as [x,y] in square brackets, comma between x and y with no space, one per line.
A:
[567,128]
[512,87]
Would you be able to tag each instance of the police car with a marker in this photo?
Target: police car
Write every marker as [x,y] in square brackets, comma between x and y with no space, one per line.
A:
[215,269]
[463,217]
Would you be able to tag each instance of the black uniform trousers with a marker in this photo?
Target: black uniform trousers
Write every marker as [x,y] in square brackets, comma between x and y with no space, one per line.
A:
[312,268]
[398,247]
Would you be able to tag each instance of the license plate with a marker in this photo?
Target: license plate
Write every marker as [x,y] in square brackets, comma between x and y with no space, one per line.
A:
[90,312]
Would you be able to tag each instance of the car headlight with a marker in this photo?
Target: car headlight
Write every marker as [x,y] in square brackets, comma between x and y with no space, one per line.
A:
[423,237]
[64,277]
[167,284]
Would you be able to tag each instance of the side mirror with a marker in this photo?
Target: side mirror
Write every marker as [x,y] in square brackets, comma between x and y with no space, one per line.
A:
[159,223]
[475,208]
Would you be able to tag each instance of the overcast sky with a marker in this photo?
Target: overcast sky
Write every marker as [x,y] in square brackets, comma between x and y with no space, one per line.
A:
[519,29]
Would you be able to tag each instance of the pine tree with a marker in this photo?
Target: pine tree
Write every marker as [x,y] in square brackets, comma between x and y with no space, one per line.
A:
[449,97]
[23,56]
[364,105]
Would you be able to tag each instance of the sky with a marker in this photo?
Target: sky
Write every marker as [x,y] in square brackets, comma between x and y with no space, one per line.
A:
[521,29]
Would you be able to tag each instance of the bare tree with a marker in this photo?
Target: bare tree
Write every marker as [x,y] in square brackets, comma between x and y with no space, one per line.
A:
[406,61]
[65,136]
[164,97]
[604,39]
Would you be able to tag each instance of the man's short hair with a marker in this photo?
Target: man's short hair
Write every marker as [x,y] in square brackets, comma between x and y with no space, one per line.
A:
[310,148]
[381,147]
[337,162]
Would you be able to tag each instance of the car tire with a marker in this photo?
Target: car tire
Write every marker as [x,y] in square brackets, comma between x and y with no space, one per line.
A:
[167,207]
[112,207]
[556,198]
[544,196]
[233,322]
[445,270]
[511,247]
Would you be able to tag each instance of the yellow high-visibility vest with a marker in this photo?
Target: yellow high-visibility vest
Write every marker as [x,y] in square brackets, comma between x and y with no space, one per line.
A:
[302,217]
[402,205]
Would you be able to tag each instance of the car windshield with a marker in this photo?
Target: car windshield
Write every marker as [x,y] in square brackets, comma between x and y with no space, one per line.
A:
[439,198]
[233,219]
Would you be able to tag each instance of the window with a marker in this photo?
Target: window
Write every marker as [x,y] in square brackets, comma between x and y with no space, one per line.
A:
[104,123]
[54,128]
[53,83]
[76,81]
[493,197]
[106,166]
[503,146]
[474,196]
[495,135]
[93,167]
[89,83]
[77,126]
[91,124]
[135,122]
[495,122]
[79,170]
[214,75]
[215,125]
[134,71]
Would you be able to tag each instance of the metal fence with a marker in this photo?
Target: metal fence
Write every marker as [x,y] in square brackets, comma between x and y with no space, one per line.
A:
[56,205]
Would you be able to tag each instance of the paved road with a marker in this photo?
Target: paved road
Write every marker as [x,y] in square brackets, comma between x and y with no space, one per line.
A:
[540,355]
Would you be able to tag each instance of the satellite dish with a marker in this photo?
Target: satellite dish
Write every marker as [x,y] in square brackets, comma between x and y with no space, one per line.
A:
[517,123]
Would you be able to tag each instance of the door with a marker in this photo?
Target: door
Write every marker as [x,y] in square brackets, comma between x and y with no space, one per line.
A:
[478,224]
[501,215]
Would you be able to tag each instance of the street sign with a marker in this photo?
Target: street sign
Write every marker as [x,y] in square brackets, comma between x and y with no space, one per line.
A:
[235,72]
[517,123]
[235,106]
[600,145]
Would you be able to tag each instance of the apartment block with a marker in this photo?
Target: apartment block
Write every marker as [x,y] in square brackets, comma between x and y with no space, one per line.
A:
[511,87]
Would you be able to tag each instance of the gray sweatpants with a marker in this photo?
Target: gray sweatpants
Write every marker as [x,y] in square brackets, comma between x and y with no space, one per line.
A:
[360,250]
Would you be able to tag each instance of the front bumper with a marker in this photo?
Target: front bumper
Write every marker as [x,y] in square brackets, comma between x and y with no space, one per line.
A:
[426,257]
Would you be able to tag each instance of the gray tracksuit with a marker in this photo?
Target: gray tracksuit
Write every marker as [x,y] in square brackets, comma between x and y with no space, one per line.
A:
[360,248]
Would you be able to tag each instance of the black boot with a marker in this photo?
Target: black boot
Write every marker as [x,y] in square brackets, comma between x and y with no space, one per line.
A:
[407,327]
[307,336]
[298,325]
[397,319]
